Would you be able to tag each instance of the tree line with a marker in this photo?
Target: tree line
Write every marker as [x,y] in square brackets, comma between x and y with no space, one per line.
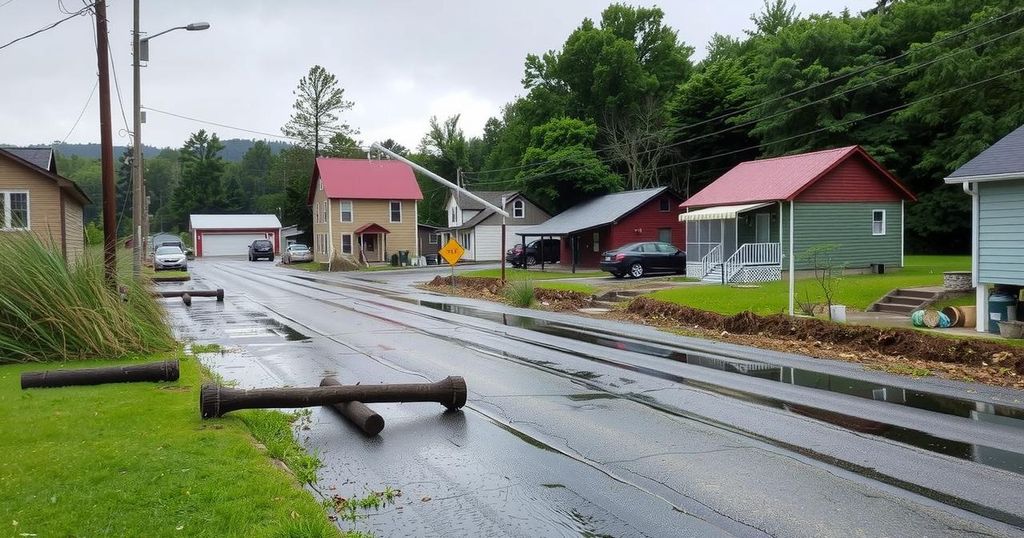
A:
[922,85]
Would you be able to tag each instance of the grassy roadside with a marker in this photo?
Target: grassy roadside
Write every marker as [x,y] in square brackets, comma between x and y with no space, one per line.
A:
[855,291]
[512,273]
[136,460]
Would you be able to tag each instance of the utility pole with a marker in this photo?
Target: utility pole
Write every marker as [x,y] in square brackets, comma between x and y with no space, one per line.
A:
[502,251]
[138,202]
[106,148]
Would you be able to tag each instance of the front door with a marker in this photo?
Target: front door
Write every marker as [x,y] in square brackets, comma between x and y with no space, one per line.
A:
[763,230]
[370,247]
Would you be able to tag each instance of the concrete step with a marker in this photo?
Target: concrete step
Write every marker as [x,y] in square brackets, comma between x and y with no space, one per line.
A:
[900,299]
[895,308]
[915,293]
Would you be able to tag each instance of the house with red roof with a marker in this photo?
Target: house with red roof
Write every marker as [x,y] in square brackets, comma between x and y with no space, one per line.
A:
[755,221]
[365,209]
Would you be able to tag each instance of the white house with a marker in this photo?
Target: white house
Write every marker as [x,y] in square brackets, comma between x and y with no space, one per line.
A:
[478,229]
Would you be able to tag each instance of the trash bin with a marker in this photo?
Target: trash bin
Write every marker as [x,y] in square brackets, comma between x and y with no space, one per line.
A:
[1000,305]
[431,259]
[403,257]
[394,260]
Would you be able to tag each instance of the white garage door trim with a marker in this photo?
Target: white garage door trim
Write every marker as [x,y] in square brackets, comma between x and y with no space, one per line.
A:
[229,244]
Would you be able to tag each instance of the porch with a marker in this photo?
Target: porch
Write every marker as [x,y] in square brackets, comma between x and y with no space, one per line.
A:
[371,240]
[738,243]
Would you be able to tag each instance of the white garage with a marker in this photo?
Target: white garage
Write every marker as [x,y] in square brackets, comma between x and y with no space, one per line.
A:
[230,235]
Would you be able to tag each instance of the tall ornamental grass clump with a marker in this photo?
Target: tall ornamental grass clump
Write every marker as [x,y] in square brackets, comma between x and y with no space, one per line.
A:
[53,311]
[520,293]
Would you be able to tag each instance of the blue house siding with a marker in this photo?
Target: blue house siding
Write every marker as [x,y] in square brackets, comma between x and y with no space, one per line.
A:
[1001,232]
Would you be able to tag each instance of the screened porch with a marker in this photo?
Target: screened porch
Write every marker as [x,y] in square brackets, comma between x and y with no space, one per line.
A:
[738,243]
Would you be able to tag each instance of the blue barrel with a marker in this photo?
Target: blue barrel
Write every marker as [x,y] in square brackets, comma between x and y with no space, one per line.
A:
[999,304]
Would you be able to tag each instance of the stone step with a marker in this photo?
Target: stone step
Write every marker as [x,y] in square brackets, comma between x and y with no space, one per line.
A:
[923,294]
[895,308]
[900,299]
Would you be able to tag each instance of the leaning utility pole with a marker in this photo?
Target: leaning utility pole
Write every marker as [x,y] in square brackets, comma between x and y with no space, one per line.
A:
[138,203]
[106,148]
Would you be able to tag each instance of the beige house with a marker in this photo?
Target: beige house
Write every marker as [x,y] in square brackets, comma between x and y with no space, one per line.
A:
[363,209]
[34,198]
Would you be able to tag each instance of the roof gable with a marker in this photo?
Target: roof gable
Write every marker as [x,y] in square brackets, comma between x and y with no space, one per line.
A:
[63,183]
[364,179]
[782,178]
[595,212]
[1004,158]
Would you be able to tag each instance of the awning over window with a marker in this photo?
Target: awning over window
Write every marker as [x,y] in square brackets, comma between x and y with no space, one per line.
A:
[720,212]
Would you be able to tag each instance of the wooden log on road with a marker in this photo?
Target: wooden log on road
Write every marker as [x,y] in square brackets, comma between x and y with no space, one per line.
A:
[187,299]
[218,293]
[150,371]
[357,413]
[215,400]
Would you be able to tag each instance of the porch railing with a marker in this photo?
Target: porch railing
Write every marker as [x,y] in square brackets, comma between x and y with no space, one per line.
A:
[710,260]
[751,254]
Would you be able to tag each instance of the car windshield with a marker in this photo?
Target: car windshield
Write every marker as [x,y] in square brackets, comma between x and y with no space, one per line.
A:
[261,243]
[168,250]
[298,247]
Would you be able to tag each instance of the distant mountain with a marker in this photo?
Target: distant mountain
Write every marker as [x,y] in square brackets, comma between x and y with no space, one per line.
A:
[234,149]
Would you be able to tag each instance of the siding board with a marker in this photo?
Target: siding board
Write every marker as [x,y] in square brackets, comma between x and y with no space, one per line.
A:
[847,225]
[1001,232]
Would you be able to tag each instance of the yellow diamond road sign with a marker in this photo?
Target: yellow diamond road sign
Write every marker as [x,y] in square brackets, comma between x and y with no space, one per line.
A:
[452,251]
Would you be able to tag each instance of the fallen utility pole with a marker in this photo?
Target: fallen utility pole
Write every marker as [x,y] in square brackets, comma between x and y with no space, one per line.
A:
[218,293]
[106,148]
[150,371]
[357,413]
[215,400]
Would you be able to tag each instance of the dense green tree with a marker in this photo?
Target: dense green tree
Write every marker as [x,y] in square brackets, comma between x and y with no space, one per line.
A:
[344,146]
[568,170]
[291,170]
[255,169]
[200,189]
[391,145]
[123,192]
[162,174]
[318,101]
[87,174]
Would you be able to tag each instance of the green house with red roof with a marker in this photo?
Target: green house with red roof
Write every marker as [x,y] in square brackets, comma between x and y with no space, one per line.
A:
[739,228]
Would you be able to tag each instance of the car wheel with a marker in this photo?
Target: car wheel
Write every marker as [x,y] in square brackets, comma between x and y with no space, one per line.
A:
[636,270]
[618,275]
[271,258]
[530,260]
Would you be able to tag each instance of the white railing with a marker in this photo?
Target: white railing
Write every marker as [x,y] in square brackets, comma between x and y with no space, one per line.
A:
[710,261]
[751,254]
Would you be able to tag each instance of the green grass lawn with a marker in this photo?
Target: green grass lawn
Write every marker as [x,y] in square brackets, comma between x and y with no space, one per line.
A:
[306,266]
[134,459]
[532,274]
[855,291]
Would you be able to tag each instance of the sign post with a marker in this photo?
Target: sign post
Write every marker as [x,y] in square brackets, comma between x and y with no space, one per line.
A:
[452,252]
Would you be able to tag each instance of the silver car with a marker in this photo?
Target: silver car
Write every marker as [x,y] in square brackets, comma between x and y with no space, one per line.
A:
[297,252]
[169,257]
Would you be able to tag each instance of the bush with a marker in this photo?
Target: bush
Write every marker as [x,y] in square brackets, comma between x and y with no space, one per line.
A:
[520,293]
[51,311]
[93,234]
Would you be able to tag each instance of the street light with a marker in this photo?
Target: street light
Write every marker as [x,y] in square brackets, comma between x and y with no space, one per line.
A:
[140,217]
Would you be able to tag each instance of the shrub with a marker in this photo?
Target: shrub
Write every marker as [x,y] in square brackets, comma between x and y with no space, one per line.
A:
[52,311]
[520,293]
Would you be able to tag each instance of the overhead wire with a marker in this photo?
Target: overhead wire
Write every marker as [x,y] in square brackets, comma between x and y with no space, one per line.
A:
[47,27]
[216,124]
[82,113]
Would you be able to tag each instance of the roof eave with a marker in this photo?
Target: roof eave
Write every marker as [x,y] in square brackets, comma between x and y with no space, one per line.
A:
[1008,176]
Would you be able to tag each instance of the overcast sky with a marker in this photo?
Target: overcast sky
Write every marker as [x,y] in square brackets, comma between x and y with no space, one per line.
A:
[401,62]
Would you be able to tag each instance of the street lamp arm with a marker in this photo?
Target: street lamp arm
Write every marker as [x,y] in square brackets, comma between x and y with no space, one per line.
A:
[195,26]
[144,39]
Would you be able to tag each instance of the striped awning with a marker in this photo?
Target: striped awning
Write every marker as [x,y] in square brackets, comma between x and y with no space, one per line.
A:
[720,212]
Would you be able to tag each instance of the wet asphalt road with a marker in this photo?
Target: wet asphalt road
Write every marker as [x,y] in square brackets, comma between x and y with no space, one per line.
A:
[587,427]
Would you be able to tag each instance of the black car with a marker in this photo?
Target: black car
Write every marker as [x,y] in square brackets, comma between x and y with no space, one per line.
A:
[638,259]
[531,255]
[261,248]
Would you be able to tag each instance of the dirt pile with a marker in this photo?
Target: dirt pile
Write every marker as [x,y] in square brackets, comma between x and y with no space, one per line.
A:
[492,289]
[888,341]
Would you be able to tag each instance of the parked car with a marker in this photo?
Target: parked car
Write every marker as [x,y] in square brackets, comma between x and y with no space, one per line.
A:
[188,252]
[297,252]
[638,259]
[261,248]
[519,256]
[169,257]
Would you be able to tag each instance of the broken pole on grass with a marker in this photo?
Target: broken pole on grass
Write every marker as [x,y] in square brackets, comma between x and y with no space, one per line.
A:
[366,419]
[218,293]
[216,400]
[150,371]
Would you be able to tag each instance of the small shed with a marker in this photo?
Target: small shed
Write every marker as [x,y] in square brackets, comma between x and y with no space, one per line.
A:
[430,239]
[995,181]
[739,228]
[610,221]
[230,235]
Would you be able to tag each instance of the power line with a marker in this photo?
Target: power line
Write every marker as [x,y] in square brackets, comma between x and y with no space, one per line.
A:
[820,129]
[197,120]
[82,113]
[47,27]
[117,87]
[813,86]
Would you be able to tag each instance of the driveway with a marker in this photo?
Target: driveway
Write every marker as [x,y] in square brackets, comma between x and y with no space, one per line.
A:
[581,426]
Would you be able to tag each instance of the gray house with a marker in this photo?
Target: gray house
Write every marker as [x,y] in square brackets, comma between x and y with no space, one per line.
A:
[478,229]
[995,181]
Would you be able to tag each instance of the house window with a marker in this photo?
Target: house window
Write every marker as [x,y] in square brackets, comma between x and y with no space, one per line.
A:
[14,210]
[396,211]
[878,222]
[346,243]
[434,239]
[320,185]
[467,242]
[665,235]
[518,209]
[453,216]
[664,205]
[346,210]
[597,241]
[326,207]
